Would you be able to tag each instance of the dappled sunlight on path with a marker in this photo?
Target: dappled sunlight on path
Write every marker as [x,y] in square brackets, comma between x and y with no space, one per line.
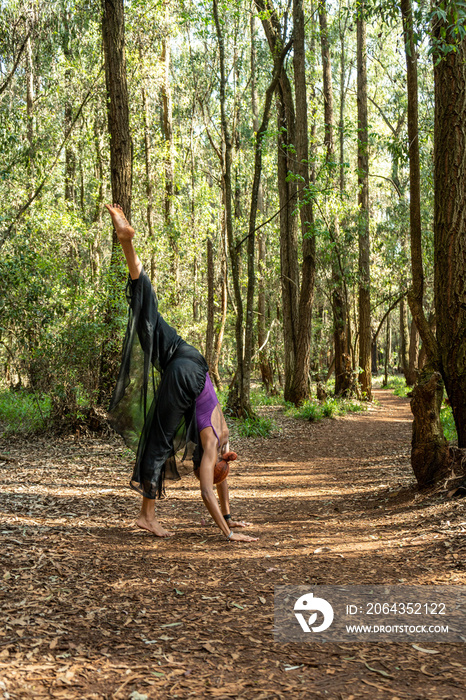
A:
[93,607]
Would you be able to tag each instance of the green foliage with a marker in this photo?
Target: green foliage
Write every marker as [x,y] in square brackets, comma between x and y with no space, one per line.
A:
[254,426]
[23,412]
[398,384]
[259,397]
[448,423]
[314,410]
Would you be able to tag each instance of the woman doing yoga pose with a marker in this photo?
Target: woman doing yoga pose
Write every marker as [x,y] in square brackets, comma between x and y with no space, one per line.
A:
[164,402]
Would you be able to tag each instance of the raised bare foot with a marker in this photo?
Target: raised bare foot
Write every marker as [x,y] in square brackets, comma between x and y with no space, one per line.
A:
[123,229]
[153,526]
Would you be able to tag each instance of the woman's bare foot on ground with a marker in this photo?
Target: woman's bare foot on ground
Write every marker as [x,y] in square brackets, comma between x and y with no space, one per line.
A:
[153,526]
[123,230]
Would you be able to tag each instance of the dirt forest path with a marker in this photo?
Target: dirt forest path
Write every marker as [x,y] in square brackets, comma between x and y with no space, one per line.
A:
[92,607]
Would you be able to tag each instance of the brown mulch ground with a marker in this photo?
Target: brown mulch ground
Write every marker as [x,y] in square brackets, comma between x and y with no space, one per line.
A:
[92,607]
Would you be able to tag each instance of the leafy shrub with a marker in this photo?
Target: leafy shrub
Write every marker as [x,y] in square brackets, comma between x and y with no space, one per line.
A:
[23,412]
[398,384]
[313,410]
[254,426]
[259,397]
[310,411]
[330,408]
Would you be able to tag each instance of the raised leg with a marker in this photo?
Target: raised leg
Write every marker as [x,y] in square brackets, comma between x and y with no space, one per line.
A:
[125,233]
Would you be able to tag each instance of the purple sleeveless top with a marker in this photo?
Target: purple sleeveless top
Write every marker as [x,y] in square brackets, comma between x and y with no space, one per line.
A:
[205,404]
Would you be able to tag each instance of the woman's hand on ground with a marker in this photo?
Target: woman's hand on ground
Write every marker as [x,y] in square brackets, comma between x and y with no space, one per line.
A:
[238,537]
[238,523]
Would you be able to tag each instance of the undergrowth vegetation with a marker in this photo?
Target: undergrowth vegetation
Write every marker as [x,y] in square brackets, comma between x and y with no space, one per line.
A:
[23,412]
[314,410]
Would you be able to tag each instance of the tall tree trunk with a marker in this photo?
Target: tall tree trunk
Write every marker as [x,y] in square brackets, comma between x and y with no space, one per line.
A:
[258,148]
[264,361]
[300,385]
[113,33]
[95,253]
[365,335]
[342,379]
[416,294]
[209,341]
[193,217]
[449,220]
[429,452]
[30,112]
[287,193]
[220,330]
[288,236]
[226,158]
[169,158]
[70,157]
[148,168]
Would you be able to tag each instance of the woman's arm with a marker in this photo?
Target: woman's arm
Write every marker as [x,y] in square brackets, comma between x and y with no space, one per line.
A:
[206,475]
[125,234]
[224,498]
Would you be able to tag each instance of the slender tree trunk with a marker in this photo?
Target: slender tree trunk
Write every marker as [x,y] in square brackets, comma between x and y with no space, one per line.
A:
[148,168]
[264,361]
[300,385]
[223,317]
[193,219]
[288,239]
[429,452]
[341,123]
[449,221]
[258,148]
[365,334]
[416,294]
[342,380]
[226,158]
[113,32]
[287,193]
[169,158]
[70,157]
[96,244]
[209,342]
[30,112]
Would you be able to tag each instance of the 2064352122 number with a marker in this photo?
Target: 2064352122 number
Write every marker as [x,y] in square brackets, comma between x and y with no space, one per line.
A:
[400,608]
